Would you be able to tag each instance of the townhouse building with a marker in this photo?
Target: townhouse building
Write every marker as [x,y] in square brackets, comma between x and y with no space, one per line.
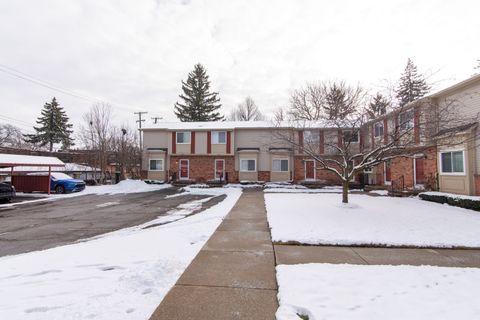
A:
[235,151]
[261,151]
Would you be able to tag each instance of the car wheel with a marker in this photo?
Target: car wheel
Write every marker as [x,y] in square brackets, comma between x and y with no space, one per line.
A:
[59,189]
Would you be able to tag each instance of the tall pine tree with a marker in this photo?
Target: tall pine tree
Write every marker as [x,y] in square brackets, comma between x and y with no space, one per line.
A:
[412,85]
[378,106]
[53,127]
[199,104]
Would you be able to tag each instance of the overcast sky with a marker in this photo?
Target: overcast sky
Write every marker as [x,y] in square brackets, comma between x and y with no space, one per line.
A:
[133,54]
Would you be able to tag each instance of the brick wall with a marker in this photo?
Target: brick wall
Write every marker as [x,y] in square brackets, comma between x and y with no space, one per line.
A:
[264,176]
[299,173]
[404,167]
[477,184]
[202,167]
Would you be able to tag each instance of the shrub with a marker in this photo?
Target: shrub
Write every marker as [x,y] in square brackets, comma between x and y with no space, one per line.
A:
[452,200]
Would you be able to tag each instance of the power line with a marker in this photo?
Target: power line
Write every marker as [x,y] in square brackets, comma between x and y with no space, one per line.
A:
[24,76]
[155,119]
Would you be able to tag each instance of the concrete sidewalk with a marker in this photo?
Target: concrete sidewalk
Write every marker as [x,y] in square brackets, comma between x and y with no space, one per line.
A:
[233,276]
[293,254]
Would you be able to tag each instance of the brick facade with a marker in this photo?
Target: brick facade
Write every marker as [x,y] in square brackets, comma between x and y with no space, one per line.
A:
[323,176]
[264,176]
[202,168]
[404,167]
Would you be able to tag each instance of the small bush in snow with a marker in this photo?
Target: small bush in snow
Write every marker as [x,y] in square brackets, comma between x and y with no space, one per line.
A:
[452,200]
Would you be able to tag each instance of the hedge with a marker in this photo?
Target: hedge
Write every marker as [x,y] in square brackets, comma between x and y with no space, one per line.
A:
[452,200]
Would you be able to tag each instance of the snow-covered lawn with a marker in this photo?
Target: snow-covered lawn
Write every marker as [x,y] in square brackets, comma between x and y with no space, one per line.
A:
[327,291]
[120,275]
[323,219]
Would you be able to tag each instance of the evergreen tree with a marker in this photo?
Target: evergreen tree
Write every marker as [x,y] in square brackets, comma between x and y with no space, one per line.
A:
[199,104]
[53,127]
[378,106]
[412,85]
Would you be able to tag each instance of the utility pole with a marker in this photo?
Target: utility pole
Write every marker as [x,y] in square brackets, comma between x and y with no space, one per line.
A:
[155,119]
[139,121]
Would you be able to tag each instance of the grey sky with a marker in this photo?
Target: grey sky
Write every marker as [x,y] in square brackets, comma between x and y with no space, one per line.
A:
[134,54]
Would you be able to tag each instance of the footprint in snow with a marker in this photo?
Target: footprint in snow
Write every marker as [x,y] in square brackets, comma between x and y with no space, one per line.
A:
[40,309]
[130,310]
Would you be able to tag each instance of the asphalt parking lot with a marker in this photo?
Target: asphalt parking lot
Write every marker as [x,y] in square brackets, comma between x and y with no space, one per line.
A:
[42,225]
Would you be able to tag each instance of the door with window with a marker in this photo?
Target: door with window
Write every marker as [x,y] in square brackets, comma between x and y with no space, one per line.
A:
[309,169]
[418,166]
[219,169]
[184,169]
[387,173]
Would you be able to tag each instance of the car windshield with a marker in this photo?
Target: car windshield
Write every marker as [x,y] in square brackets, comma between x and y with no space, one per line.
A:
[60,176]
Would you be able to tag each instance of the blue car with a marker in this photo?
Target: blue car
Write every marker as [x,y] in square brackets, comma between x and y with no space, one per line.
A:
[63,183]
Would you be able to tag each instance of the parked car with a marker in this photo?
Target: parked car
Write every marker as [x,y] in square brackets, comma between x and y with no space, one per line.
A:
[7,192]
[63,183]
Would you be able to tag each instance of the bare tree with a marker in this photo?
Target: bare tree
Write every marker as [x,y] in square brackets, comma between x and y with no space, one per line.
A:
[416,127]
[247,111]
[308,103]
[279,115]
[12,137]
[124,145]
[96,134]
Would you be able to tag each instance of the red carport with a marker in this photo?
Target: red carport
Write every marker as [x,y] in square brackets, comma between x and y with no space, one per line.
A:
[30,183]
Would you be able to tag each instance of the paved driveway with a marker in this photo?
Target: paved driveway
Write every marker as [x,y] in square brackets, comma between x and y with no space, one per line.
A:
[42,225]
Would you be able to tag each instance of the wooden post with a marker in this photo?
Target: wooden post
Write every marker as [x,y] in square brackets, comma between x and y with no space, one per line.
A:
[49,175]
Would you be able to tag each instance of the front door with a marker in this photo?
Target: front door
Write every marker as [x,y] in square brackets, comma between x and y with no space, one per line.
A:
[309,169]
[418,166]
[183,169]
[388,173]
[219,169]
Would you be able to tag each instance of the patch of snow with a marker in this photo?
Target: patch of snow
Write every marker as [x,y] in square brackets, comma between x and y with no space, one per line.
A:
[333,291]
[244,185]
[121,275]
[366,220]
[380,192]
[7,159]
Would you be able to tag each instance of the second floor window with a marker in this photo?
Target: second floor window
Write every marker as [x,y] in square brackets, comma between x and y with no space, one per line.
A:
[350,136]
[311,136]
[406,120]
[219,137]
[183,137]
[378,129]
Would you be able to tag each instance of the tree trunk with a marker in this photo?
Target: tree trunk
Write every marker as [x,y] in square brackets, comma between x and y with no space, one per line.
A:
[345,192]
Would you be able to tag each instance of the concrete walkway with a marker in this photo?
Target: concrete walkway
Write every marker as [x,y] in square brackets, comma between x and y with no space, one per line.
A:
[288,254]
[233,276]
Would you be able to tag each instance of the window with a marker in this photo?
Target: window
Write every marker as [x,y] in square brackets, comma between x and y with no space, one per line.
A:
[248,165]
[350,136]
[219,137]
[311,136]
[183,137]
[406,120]
[156,165]
[452,162]
[280,165]
[378,127]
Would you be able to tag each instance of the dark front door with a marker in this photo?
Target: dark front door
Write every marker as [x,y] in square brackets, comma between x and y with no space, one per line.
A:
[184,169]
[310,170]
[419,171]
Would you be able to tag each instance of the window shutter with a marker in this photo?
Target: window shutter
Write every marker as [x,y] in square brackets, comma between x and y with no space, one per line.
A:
[209,142]
[174,142]
[192,142]
[229,136]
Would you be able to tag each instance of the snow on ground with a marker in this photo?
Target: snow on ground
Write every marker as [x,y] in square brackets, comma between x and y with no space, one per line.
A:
[120,275]
[366,220]
[327,291]
[125,186]
[380,192]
